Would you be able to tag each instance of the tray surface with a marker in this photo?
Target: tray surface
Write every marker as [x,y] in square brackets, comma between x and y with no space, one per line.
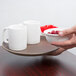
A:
[41,48]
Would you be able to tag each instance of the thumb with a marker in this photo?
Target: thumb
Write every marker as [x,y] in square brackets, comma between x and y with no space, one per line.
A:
[66,32]
[57,52]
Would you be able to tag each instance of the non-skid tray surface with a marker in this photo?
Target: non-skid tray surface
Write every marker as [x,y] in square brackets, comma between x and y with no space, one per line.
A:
[41,48]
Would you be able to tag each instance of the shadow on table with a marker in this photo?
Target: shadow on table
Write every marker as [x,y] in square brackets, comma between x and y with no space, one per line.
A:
[43,67]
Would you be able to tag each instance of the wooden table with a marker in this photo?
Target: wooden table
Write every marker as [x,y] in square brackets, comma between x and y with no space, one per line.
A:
[13,65]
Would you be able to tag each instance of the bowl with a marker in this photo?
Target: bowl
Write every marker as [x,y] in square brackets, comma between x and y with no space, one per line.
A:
[55,37]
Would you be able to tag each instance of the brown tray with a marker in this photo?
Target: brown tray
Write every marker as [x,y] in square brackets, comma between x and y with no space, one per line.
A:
[41,48]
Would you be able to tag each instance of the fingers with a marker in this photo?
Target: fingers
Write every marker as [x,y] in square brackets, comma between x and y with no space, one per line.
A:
[60,50]
[57,52]
[72,41]
[69,47]
[66,44]
[63,43]
[67,32]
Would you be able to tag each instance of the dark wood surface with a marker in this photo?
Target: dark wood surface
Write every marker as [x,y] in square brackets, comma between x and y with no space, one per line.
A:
[14,65]
[33,49]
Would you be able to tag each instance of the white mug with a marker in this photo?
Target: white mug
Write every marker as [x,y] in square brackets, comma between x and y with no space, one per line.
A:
[17,37]
[33,31]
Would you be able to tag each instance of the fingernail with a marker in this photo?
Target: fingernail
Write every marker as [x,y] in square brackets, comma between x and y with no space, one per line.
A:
[61,33]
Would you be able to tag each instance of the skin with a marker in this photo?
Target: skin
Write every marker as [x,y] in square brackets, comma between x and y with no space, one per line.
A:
[65,44]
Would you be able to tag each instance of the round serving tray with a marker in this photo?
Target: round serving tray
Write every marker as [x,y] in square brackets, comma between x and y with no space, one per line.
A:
[41,48]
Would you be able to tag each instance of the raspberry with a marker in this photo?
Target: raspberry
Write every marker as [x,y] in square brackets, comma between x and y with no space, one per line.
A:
[57,32]
[53,32]
[49,32]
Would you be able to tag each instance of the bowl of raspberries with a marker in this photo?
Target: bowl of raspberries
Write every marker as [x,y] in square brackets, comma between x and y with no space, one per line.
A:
[53,35]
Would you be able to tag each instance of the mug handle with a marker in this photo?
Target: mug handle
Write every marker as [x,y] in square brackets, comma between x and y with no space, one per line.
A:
[4,39]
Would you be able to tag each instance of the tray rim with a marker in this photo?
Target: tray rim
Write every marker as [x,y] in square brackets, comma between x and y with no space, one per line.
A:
[11,51]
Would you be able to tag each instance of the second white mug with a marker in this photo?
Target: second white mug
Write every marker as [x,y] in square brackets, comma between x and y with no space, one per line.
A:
[33,31]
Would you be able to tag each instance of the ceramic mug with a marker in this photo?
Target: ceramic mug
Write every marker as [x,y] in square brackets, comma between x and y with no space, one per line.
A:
[17,37]
[33,31]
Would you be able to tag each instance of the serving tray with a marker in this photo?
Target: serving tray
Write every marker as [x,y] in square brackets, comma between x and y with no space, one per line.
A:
[41,48]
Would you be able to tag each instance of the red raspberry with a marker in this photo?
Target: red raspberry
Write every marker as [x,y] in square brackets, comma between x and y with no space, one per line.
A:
[49,32]
[57,32]
[53,32]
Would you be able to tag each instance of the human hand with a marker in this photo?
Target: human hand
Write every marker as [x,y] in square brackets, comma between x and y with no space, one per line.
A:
[66,44]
